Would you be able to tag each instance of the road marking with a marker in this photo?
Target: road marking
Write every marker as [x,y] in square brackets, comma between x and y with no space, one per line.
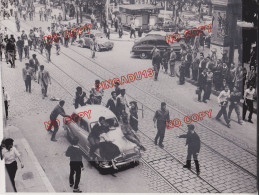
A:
[36,163]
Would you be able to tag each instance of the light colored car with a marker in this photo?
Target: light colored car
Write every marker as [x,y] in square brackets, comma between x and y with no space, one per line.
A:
[102,42]
[129,152]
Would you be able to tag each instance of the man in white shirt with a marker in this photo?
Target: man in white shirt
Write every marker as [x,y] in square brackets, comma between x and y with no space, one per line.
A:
[223,101]
[123,101]
[97,91]
[248,103]
[6,102]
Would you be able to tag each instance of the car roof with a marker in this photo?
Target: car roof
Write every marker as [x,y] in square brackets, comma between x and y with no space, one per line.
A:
[96,112]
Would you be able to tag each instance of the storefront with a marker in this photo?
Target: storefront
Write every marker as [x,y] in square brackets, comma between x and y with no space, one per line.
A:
[142,15]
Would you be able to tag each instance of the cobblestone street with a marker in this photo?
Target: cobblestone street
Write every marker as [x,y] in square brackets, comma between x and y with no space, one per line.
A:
[228,156]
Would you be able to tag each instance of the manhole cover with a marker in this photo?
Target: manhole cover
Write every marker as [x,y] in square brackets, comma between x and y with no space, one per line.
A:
[28,175]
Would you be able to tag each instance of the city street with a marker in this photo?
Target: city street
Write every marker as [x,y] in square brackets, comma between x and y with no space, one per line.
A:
[227,158]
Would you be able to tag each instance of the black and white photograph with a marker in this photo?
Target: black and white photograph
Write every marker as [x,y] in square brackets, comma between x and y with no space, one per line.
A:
[129,96]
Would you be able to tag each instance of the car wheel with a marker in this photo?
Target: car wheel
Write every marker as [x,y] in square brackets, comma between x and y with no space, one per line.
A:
[143,55]
[98,48]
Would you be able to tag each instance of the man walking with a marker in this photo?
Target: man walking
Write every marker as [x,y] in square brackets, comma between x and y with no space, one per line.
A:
[235,97]
[248,103]
[20,47]
[34,64]
[172,62]
[44,80]
[58,110]
[160,119]
[6,102]
[223,101]
[195,67]
[202,83]
[194,145]
[76,165]
[27,75]
[156,61]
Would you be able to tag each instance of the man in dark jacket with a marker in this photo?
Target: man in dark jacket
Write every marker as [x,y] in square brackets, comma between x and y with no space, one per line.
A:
[113,104]
[156,61]
[235,97]
[161,118]
[80,96]
[76,163]
[202,85]
[20,47]
[194,144]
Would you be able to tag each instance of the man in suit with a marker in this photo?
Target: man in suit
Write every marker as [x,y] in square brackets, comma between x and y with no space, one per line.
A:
[20,47]
[202,85]
[194,145]
[44,80]
[27,73]
[113,104]
[34,63]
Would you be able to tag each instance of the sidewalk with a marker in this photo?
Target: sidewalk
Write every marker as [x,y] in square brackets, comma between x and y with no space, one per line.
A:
[213,91]
[32,177]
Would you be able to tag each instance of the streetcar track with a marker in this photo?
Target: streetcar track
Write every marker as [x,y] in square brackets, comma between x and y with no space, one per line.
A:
[235,164]
[143,160]
[210,148]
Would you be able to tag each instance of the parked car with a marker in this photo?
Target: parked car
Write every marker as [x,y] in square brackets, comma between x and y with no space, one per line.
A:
[102,42]
[144,46]
[82,127]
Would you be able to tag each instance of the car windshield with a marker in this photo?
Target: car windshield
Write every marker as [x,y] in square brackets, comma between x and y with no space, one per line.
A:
[112,122]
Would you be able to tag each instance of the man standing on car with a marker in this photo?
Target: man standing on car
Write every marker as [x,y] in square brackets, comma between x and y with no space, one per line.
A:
[58,110]
[76,164]
[194,145]
[161,118]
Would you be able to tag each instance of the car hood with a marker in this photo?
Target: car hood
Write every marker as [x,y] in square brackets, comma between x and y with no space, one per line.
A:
[116,137]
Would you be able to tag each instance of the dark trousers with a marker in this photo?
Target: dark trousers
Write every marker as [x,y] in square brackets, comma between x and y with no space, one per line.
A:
[6,108]
[195,75]
[79,102]
[160,132]
[187,71]
[223,111]
[156,70]
[191,153]
[202,88]
[75,167]
[236,107]
[208,90]
[26,52]
[20,51]
[11,169]
[249,107]
[55,124]
[181,78]
[28,83]
[132,32]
